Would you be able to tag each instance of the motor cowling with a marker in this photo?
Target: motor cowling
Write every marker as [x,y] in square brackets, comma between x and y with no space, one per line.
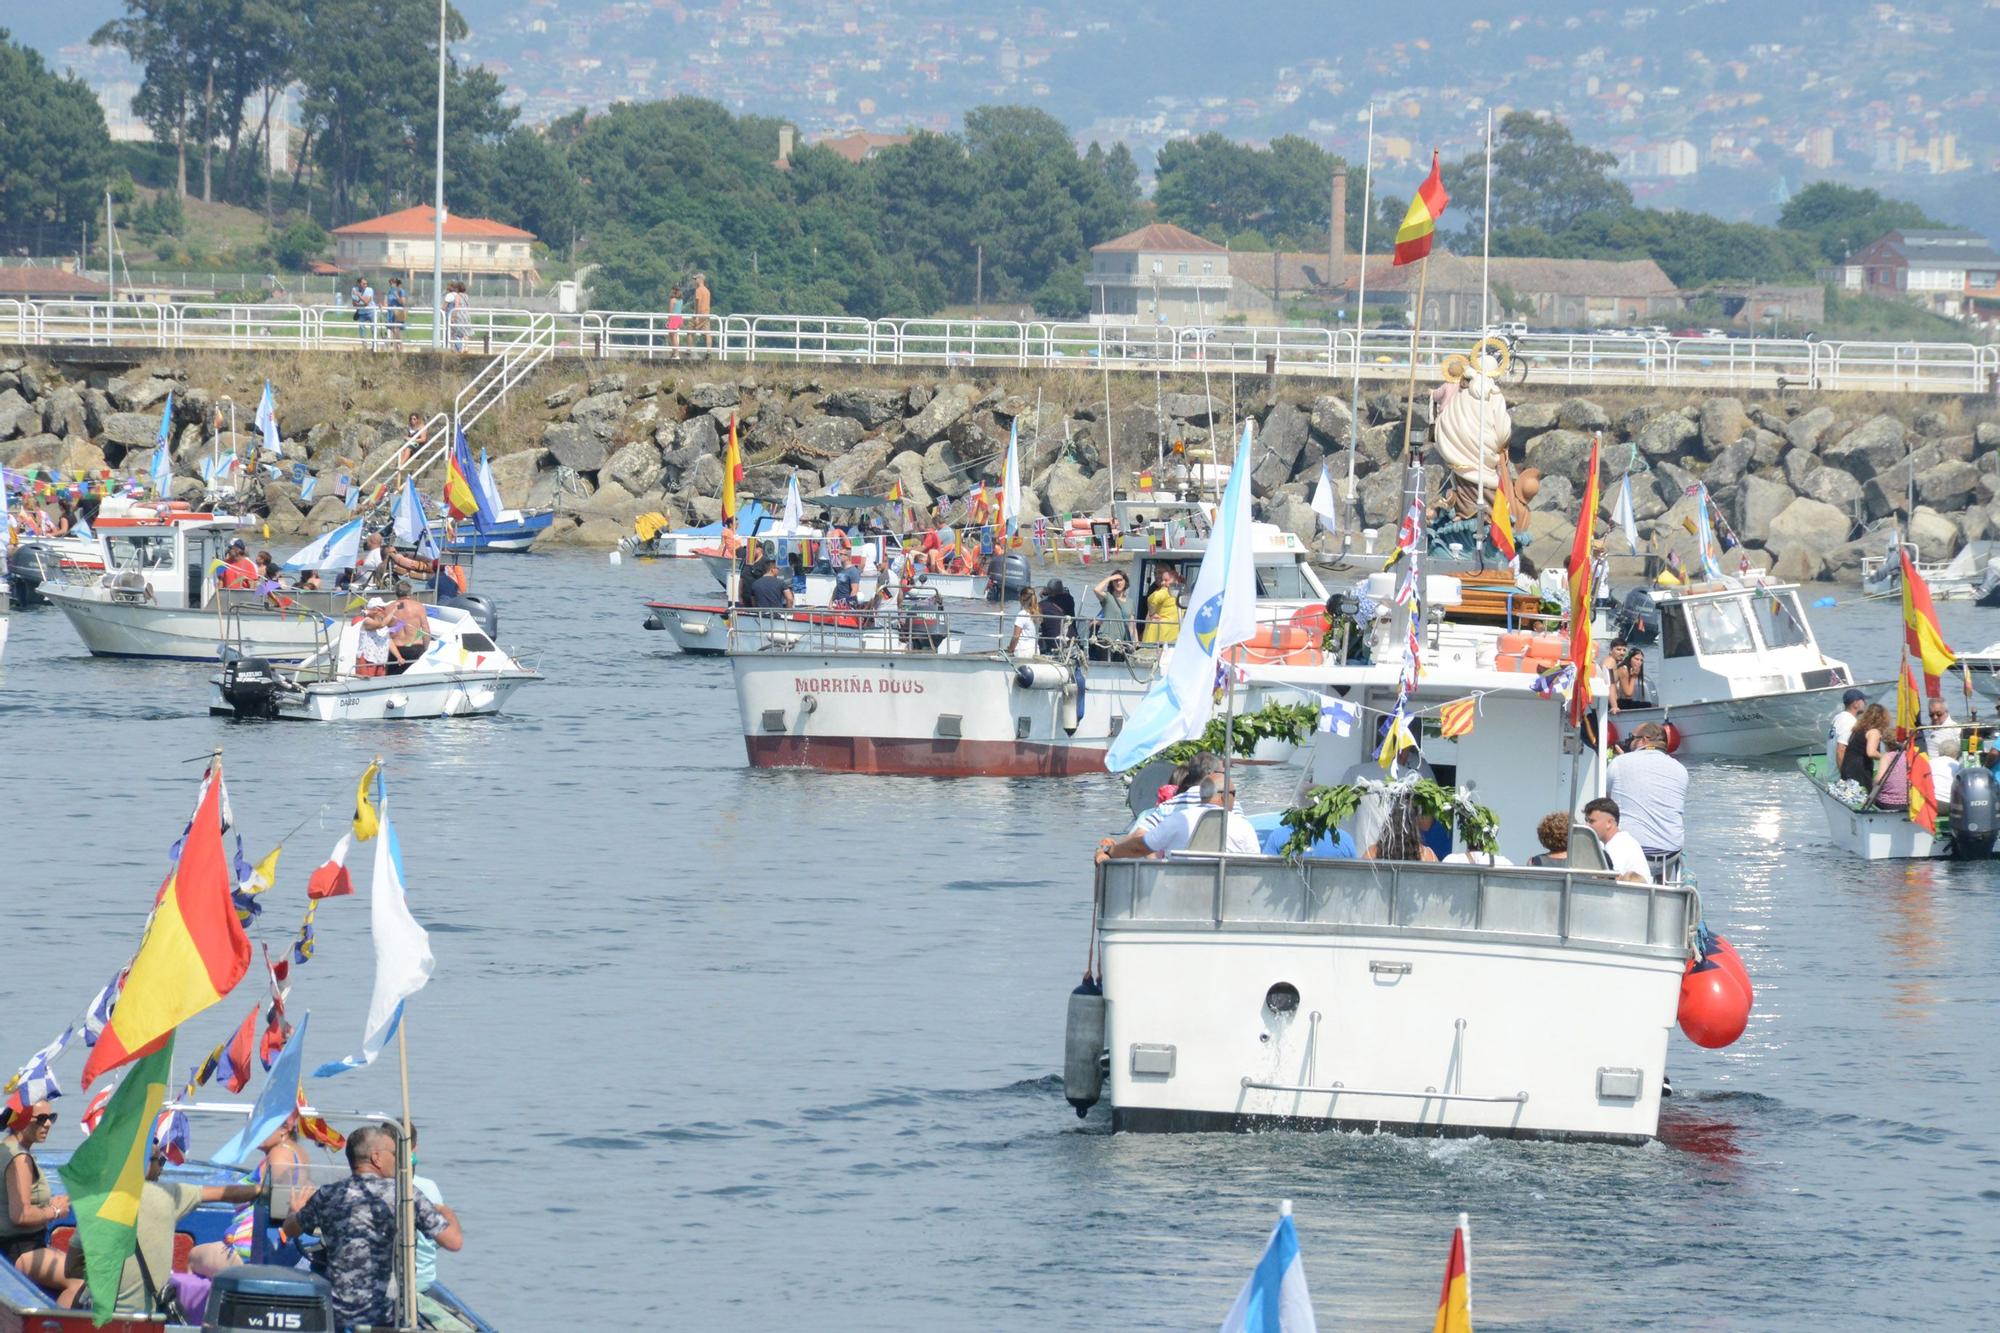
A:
[250,687]
[1010,575]
[1083,1047]
[1638,617]
[1974,819]
[30,566]
[483,612]
[259,1297]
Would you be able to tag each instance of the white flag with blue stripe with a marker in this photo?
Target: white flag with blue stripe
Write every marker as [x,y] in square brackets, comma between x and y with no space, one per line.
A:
[403,959]
[337,550]
[267,419]
[794,518]
[276,1104]
[1275,1299]
[1221,613]
[1322,502]
[1622,516]
[413,528]
[163,456]
[1010,485]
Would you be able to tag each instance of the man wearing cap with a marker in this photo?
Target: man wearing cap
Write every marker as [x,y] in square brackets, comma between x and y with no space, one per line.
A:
[1837,736]
[1058,616]
[238,569]
[1650,788]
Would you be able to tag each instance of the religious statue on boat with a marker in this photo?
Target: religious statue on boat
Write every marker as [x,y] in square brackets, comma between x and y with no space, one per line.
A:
[1471,430]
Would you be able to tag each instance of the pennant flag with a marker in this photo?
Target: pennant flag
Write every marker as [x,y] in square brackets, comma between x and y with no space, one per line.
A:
[93,1111]
[1410,530]
[1396,738]
[171,1136]
[163,455]
[331,880]
[1455,718]
[302,947]
[1923,790]
[276,1104]
[36,1082]
[317,1130]
[105,1174]
[194,951]
[1322,502]
[1337,716]
[338,550]
[239,1053]
[365,822]
[1622,515]
[1581,585]
[1275,1298]
[98,1015]
[1413,657]
[1455,1301]
[403,960]
[732,470]
[1908,709]
[1224,613]
[1413,238]
[1503,525]
[1920,628]
[267,420]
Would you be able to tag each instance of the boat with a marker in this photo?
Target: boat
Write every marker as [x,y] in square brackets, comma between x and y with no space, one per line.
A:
[1733,667]
[42,560]
[511,530]
[1983,669]
[462,673]
[1966,823]
[1973,574]
[650,539]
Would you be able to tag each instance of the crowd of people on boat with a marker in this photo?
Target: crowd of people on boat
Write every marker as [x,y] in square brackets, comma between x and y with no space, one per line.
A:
[1863,746]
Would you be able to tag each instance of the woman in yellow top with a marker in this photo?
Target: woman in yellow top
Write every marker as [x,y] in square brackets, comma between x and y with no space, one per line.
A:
[1163,611]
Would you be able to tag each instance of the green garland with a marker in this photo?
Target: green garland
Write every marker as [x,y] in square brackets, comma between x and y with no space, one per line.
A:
[1327,808]
[1292,724]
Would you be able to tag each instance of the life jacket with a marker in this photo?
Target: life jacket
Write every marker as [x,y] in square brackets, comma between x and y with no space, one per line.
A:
[241,572]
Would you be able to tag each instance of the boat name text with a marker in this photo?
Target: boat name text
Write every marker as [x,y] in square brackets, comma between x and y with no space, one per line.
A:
[855,685]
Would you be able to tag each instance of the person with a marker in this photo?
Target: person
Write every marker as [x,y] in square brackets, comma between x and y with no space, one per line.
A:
[884,606]
[364,309]
[1945,760]
[150,1270]
[238,569]
[701,302]
[267,568]
[1940,726]
[1865,746]
[1027,629]
[1631,689]
[1058,616]
[409,629]
[1851,704]
[435,1313]
[1401,838]
[1553,834]
[29,1205]
[732,542]
[1650,787]
[286,1166]
[1111,632]
[456,317]
[370,559]
[1889,762]
[1176,825]
[846,584]
[676,316]
[1621,849]
[65,518]
[371,652]
[356,1220]
[769,589]
[1183,788]
[1468,857]
[1163,609]
[398,302]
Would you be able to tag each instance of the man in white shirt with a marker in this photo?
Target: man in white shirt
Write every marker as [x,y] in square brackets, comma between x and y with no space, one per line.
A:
[1628,859]
[1176,826]
[1939,727]
[1851,704]
[1187,789]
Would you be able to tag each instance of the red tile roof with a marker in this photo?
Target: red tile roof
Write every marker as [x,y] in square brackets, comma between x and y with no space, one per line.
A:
[18,280]
[1161,236]
[857,146]
[419,221]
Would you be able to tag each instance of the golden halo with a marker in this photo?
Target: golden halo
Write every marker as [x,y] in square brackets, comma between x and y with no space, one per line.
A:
[1455,366]
[1501,354]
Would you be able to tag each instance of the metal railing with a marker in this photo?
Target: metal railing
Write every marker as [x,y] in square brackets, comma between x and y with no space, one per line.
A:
[1373,354]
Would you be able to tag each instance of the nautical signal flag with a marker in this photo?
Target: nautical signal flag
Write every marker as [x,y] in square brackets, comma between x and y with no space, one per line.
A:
[1923,790]
[1920,628]
[365,821]
[1396,738]
[105,1174]
[1503,524]
[194,951]
[331,879]
[1455,718]
[1455,1301]
[1413,238]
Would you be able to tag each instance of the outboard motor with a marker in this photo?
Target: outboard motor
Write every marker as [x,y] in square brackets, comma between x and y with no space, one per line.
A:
[1009,576]
[250,687]
[31,565]
[483,612]
[1083,1047]
[1974,819]
[1638,617]
[252,1298]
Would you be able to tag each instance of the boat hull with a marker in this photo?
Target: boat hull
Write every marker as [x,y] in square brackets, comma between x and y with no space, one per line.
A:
[1760,725]
[1872,835]
[513,535]
[696,631]
[129,629]
[391,698]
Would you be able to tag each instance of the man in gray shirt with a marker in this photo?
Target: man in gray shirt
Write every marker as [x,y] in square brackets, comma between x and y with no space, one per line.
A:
[1650,787]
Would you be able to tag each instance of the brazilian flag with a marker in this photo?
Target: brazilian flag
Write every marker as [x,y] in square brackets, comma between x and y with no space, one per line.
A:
[105,1175]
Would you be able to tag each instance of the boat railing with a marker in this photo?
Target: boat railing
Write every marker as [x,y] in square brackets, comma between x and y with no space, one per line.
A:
[1252,894]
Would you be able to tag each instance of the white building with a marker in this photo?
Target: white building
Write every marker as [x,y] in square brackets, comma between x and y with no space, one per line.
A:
[401,245]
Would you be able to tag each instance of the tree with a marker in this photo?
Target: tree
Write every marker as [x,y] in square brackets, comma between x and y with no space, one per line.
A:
[1542,177]
[299,244]
[1839,219]
[531,186]
[55,155]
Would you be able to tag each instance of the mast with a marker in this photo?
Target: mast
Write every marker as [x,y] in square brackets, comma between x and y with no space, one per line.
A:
[1360,320]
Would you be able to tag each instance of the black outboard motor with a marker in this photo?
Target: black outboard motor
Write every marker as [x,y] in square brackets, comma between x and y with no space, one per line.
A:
[484,614]
[250,687]
[1974,818]
[1009,576]
[1638,617]
[258,1297]
[31,565]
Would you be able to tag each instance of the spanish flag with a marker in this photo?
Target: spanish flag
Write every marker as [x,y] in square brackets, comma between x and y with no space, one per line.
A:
[1920,628]
[732,470]
[105,1175]
[194,951]
[1503,524]
[1413,238]
[1908,712]
[1455,1301]
[1581,591]
[1923,792]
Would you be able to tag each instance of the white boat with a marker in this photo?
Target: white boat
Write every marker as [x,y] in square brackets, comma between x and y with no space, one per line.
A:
[1875,834]
[1735,668]
[1973,573]
[462,673]
[1984,668]
[39,560]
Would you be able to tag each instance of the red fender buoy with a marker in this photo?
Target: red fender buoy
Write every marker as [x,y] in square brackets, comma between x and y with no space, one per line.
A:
[1725,953]
[1673,737]
[1714,1007]
[1610,734]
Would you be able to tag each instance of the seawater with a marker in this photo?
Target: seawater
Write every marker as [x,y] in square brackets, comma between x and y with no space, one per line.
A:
[712,1045]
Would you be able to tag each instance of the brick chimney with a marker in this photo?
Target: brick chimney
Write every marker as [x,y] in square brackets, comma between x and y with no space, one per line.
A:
[1336,237]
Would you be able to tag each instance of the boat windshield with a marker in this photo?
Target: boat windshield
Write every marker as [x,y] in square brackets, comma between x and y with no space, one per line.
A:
[1721,626]
[142,551]
[1291,581]
[1781,622]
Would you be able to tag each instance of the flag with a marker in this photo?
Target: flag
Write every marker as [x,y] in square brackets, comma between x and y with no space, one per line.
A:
[1223,614]
[793,520]
[1908,710]
[194,951]
[461,496]
[1920,628]
[105,1174]
[1408,532]
[403,960]
[1413,238]
[98,1015]
[1705,535]
[1455,1301]
[337,550]
[1503,525]
[1010,482]
[489,489]
[1413,657]
[302,947]
[36,1082]
[331,880]
[1622,516]
[1396,738]
[1923,791]
[1337,716]
[413,526]
[276,1104]
[365,822]
[1581,562]
[308,486]
[267,420]
[895,491]
[163,454]
[264,875]
[93,1111]
[1455,718]
[317,1130]
[1274,1299]
[732,470]
[239,1053]
[1322,502]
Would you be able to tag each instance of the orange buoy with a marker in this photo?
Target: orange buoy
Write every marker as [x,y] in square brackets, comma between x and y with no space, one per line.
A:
[1507,662]
[1673,737]
[1515,644]
[1610,733]
[1724,953]
[1714,1007]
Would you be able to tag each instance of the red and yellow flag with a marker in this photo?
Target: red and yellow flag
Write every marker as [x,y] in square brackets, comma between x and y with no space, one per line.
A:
[732,470]
[1503,524]
[1413,238]
[1908,715]
[1920,628]
[1455,1301]
[1455,718]
[1923,792]
[194,951]
[1581,591]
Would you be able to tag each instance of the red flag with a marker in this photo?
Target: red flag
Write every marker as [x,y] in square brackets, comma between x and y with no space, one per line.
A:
[1581,592]
[1413,238]
[330,880]
[1923,792]
[1920,628]
[236,1056]
[94,1110]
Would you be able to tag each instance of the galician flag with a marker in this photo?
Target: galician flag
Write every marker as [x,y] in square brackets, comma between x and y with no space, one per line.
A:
[1455,1301]
[1222,613]
[1413,238]
[1275,1299]
[403,960]
[267,420]
[1322,502]
[1010,482]
[105,1174]
[794,517]
[163,454]
[339,549]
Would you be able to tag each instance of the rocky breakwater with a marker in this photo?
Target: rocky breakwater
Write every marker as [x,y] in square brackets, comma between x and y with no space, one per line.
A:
[1806,483]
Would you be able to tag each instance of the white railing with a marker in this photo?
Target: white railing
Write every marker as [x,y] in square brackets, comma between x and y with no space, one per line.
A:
[1375,354]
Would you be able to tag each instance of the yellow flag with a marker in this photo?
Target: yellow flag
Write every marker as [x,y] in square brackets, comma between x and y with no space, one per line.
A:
[1908,710]
[1397,740]
[365,823]
[266,873]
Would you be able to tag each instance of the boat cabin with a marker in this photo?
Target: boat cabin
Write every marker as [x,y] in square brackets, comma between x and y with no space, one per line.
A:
[1283,563]
[168,560]
[1755,635]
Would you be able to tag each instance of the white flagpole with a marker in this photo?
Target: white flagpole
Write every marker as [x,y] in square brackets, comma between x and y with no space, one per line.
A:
[1486,242]
[1360,319]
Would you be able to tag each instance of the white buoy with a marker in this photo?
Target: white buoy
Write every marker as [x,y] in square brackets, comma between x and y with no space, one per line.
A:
[615,557]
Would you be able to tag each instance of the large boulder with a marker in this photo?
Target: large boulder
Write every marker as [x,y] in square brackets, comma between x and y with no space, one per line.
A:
[1948,486]
[1582,414]
[1531,419]
[1934,534]
[516,473]
[637,467]
[1332,421]
[131,430]
[1380,498]
[610,501]
[828,437]
[1277,448]
[1806,432]
[952,401]
[1723,423]
[867,406]
[1556,493]
[62,413]
[80,455]
[1194,408]
[1829,485]
[1810,528]
[859,463]
[1668,435]
[906,469]
[599,414]
[17,415]
[1757,504]
[138,391]
[1871,448]
[709,397]
[1728,467]
[574,445]
[1561,453]
[1294,514]
[37,450]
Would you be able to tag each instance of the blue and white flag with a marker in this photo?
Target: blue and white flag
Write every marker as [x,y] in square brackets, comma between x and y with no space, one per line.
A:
[308,486]
[37,1080]
[267,419]
[403,961]
[1275,1299]
[1705,535]
[1010,485]
[834,488]
[1337,716]
[275,1104]
[163,454]
[339,549]
[413,528]
[489,489]
[1222,612]
[794,517]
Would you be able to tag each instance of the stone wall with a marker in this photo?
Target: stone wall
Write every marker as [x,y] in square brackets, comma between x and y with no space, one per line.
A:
[1806,481]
